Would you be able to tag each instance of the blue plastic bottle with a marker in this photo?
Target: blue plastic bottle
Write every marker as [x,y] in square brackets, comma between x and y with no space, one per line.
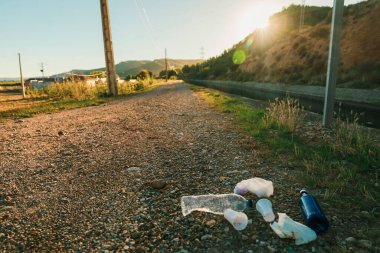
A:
[312,213]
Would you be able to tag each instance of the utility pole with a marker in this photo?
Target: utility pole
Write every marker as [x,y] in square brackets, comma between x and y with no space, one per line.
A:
[333,64]
[108,51]
[166,67]
[302,15]
[202,53]
[21,78]
[42,70]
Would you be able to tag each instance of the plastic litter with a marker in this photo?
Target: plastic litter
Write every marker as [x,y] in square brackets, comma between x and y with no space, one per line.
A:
[238,220]
[288,228]
[264,207]
[214,203]
[261,187]
[312,213]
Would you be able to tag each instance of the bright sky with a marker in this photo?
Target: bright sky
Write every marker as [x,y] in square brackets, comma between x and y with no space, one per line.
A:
[66,34]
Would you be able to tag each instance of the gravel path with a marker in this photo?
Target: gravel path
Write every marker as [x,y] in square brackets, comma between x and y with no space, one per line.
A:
[81,180]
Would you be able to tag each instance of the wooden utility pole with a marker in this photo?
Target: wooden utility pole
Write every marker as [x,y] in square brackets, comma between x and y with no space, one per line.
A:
[108,50]
[333,63]
[166,67]
[21,78]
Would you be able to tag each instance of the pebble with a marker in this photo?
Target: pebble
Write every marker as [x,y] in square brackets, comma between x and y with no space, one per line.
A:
[206,237]
[158,184]
[365,244]
[133,169]
[350,239]
[210,223]
[262,243]
[271,248]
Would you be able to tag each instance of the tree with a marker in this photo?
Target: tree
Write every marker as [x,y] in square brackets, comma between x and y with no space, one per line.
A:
[99,73]
[145,74]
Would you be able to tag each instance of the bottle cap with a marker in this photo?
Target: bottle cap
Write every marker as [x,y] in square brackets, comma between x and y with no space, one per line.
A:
[303,191]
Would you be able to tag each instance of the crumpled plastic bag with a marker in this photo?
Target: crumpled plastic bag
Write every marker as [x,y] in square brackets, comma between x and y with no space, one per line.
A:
[288,228]
[261,187]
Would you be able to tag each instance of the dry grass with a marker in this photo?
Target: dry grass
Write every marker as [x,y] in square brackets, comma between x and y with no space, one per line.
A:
[82,91]
[285,113]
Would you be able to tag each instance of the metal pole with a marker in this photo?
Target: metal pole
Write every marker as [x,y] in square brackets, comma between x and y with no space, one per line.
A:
[108,51]
[21,78]
[333,63]
[166,67]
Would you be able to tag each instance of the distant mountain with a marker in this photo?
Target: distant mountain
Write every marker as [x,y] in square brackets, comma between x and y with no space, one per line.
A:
[134,67]
[282,53]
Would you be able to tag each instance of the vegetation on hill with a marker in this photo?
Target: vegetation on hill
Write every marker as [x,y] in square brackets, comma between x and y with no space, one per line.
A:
[286,54]
[133,68]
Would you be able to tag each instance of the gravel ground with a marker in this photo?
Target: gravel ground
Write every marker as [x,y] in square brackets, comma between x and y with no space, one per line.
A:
[86,179]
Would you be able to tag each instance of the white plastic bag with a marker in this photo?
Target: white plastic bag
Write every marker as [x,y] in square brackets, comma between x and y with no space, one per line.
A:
[288,228]
[261,187]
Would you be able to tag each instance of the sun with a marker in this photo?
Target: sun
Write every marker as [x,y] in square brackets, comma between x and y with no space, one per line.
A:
[256,16]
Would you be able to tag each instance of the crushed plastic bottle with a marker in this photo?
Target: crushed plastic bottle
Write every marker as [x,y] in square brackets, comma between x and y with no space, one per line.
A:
[214,203]
[264,207]
[261,187]
[288,228]
[238,220]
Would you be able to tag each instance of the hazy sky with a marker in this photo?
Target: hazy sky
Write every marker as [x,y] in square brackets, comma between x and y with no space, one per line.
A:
[66,34]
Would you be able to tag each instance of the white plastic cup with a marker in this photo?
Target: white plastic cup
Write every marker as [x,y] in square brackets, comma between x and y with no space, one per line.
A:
[238,220]
[264,207]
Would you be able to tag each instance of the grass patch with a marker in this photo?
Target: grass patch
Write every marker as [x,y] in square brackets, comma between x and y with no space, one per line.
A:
[58,97]
[49,106]
[342,170]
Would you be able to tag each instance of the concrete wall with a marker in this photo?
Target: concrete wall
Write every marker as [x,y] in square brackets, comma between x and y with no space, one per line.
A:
[311,97]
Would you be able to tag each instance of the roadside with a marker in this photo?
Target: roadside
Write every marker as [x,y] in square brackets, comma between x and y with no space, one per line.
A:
[12,105]
[81,180]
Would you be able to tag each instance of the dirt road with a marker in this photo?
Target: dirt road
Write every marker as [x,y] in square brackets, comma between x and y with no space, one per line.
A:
[77,180]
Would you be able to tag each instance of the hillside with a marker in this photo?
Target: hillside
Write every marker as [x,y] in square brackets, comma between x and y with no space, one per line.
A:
[283,53]
[134,67]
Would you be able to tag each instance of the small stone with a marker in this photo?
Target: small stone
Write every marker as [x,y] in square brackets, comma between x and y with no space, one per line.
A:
[135,235]
[158,184]
[350,239]
[244,237]
[210,223]
[126,247]
[183,251]
[226,229]
[271,249]
[176,240]
[64,200]
[250,251]
[133,169]
[313,249]
[206,237]
[262,243]
[106,246]
[365,244]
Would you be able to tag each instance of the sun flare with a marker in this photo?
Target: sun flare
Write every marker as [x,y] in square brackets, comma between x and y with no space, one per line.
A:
[257,16]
